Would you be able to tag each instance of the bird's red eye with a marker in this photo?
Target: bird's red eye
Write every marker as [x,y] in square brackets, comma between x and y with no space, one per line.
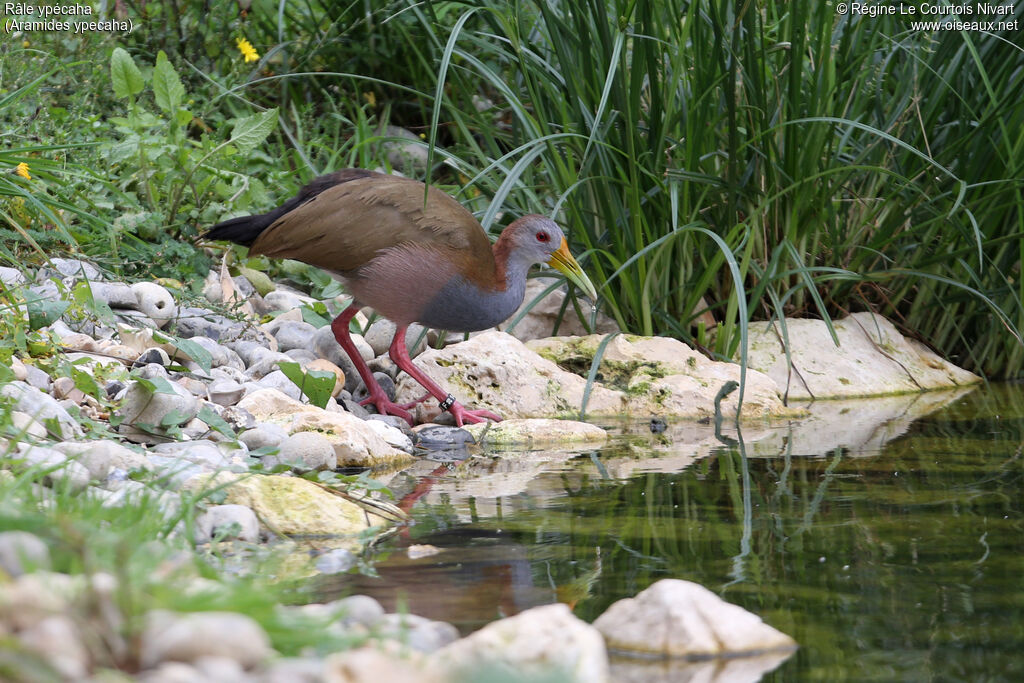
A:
[543,237]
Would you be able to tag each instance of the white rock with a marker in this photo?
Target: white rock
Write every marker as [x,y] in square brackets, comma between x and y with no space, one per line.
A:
[264,435]
[33,597]
[416,632]
[189,637]
[358,609]
[293,334]
[391,435]
[292,505]
[58,640]
[21,551]
[40,406]
[19,369]
[308,451]
[382,331]
[537,432]
[12,276]
[227,522]
[75,268]
[278,381]
[62,471]
[100,457]
[28,426]
[225,392]
[157,410]
[284,300]
[370,665]
[872,359]
[156,302]
[114,294]
[354,442]
[665,377]
[496,371]
[297,670]
[546,640]
[408,155]
[201,452]
[675,618]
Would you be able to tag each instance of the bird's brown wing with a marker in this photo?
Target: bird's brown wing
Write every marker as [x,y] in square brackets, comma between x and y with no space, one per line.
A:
[347,225]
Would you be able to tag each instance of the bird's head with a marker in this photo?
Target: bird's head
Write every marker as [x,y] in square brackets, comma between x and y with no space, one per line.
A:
[538,239]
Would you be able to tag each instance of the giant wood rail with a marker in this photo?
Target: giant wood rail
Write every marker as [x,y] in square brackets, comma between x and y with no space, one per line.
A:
[413,257]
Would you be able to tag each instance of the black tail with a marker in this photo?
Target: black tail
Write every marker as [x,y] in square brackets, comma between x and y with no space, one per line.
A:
[245,229]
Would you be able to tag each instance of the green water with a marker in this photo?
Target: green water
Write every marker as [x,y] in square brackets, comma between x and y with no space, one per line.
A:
[897,557]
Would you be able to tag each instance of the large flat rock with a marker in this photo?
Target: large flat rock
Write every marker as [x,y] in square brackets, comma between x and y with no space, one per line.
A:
[872,359]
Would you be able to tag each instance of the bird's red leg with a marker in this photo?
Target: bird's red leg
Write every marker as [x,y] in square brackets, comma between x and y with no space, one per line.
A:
[400,355]
[377,397]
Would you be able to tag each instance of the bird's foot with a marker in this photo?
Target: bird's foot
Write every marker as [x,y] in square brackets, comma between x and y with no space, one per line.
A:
[463,414]
[386,406]
[413,404]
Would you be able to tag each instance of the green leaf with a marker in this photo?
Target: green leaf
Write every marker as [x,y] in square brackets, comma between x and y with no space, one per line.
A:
[316,385]
[216,422]
[312,315]
[260,280]
[86,383]
[183,117]
[167,87]
[42,312]
[157,385]
[253,130]
[194,351]
[125,76]
[174,418]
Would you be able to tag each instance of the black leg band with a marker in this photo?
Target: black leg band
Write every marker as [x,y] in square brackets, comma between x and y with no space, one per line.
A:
[447,403]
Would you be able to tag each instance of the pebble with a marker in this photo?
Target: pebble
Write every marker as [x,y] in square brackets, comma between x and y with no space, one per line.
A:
[327,347]
[385,382]
[74,268]
[359,609]
[21,552]
[154,411]
[156,302]
[64,388]
[114,294]
[37,378]
[225,392]
[416,632]
[382,332]
[28,425]
[263,435]
[42,407]
[391,435]
[292,334]
[227,522]
[59,641]
[189,637]
[308,451]
[204,453]
[303,356]
[12,276]
[336,561]
[279,381]
[62,471]
[19,369]
[283,300]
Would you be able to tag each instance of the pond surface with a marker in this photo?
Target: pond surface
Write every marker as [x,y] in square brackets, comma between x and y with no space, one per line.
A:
[885,536]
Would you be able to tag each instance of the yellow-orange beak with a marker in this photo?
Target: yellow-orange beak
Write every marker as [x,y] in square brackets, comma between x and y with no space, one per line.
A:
[563,262]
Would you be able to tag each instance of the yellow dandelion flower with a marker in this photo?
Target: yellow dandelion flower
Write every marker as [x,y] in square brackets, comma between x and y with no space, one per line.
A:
[370,98]
[22,170]
[247,50]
